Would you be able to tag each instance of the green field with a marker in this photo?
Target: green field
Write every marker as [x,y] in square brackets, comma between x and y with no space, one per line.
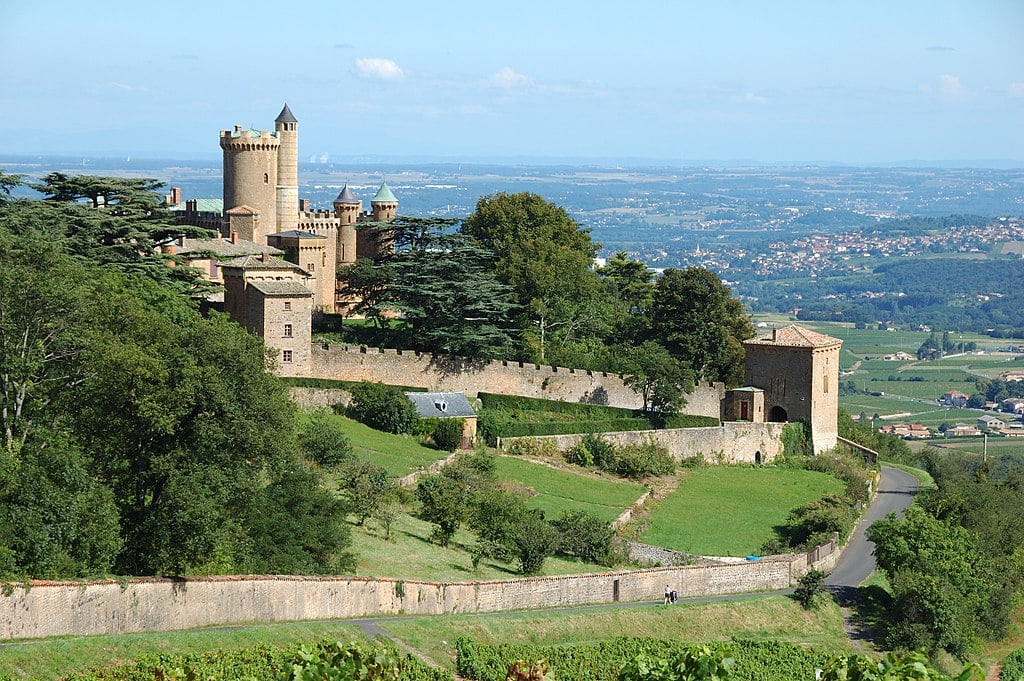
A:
[560,490]
[731,510]
[398,454]
[410,554]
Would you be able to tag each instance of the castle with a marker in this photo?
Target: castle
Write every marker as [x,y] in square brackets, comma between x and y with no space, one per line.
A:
[276,257]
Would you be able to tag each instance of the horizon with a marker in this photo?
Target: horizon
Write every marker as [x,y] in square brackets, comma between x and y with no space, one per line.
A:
[861,84]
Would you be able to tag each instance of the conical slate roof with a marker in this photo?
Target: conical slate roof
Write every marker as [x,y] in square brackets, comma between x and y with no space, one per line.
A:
[286,116]
[346,196]
[384,195]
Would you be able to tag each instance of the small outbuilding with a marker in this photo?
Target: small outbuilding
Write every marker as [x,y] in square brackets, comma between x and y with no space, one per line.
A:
[447,406]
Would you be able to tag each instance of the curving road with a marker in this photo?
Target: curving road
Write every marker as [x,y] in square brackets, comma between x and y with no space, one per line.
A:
[896,491]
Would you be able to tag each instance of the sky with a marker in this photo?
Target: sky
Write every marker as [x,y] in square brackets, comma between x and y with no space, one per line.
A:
[772,81]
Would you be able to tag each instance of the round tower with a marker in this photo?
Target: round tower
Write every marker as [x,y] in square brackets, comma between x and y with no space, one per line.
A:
[287,128]
[347,208]
[250,175]
[384,205]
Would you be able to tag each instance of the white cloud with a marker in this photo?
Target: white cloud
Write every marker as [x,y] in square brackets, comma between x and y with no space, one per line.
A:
[508,79]
[381,69]
[754,99]
[1017,89]
[951,87]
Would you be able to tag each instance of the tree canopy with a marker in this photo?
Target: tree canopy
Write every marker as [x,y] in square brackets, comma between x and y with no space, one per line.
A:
[139,436]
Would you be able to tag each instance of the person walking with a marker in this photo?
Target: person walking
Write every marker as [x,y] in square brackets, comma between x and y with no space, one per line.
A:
[668,594]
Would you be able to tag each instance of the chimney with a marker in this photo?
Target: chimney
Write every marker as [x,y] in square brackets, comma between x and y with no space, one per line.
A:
[175,196]
[264,256]
[303,205]
[234,236]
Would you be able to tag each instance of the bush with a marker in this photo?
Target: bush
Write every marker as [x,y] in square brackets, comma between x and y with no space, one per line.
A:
[811,586]
[531,447]
[448,434]
[587,537]
[366,488]
[535,540]
[641,461]
[324,442]
[382,407]
[811,522]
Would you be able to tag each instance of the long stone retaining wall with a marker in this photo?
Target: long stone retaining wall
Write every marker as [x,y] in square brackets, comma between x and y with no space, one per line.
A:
[730,443]
[453,374]
[42,609]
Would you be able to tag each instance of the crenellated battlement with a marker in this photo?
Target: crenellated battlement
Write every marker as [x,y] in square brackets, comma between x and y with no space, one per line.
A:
[458,374]
[240,139]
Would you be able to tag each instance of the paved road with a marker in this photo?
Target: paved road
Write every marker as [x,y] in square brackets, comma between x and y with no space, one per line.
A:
[896,491]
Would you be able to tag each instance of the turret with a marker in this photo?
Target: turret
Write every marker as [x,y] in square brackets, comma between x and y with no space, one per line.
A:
[384,205]
[250,175]
[287,128]
[347,208]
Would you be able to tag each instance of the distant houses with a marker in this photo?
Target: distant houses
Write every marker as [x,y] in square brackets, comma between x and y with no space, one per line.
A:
[954,398]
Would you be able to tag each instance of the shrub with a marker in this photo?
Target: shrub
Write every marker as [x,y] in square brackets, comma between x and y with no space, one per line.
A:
[811,522]
[366,487]
[323,441]
[532,447]
[448,434]
[640,461]
[535,540]
[811,586]
[382,407]
[586,536]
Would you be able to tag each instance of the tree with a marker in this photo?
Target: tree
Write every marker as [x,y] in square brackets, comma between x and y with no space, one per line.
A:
[586,536]
[660,379]
[442,502]
[447,434]
[383,407]
[545,257]
[441,282]
[366,285]
[535,539]
[700,323]
[323,441]
[944,588]
[366,488]
[122,225]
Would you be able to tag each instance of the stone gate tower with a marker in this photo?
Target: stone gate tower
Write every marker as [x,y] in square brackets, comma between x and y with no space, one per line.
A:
[250,177]
[798,370]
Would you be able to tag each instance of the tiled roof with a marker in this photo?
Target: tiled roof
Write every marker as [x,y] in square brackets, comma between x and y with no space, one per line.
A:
[224,248]
[243,210]
[256,262]
[794,336]
[280,288]
[437,405]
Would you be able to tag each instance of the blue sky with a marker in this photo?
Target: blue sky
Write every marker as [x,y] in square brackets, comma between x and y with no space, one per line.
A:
[769,81]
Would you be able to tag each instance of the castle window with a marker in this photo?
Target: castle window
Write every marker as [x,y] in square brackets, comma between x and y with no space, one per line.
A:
[287,305]
[287,330]
[286,356]
[312,267]
[266,178]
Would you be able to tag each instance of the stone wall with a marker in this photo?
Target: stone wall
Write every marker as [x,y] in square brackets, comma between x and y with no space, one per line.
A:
[446,374]
[44,609]
[730,443]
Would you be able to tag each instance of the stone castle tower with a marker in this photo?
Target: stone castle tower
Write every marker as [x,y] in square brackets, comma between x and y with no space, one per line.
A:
[798,372]
[261,205]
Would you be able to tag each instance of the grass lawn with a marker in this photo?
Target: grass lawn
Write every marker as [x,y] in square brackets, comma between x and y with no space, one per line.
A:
[398,454]
[54,658]
[755,618]
[561,490]
[731,510]
[409,554]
